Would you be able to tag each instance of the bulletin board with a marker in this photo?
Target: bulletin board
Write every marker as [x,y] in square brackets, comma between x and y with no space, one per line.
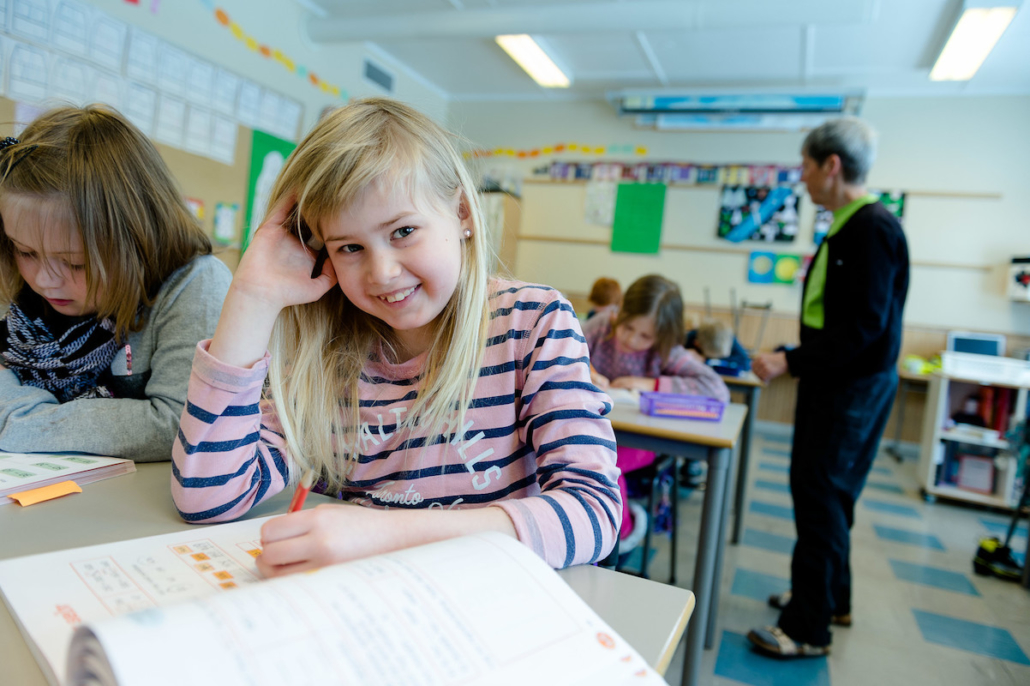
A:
[199,177]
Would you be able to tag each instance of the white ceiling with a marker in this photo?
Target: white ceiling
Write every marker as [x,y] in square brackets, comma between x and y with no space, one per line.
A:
[879,47]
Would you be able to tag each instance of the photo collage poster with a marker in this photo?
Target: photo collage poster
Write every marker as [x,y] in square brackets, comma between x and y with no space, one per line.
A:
[758,213]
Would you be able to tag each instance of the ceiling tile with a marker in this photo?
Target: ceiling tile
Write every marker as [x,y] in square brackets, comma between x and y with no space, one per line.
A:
[731,56]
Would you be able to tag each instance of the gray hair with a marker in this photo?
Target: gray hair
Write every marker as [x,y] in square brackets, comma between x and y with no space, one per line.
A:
[849,138]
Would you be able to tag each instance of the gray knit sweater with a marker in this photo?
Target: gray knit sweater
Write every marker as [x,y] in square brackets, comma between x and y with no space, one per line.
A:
[141,421]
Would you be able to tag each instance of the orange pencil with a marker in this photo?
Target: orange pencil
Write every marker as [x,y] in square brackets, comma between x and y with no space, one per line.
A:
[301,493]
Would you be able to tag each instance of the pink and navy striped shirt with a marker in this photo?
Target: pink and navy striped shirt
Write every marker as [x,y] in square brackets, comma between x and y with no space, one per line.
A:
[680,373]
[535,443]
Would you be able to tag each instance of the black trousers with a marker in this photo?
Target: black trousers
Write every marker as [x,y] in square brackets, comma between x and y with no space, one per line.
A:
[837,430]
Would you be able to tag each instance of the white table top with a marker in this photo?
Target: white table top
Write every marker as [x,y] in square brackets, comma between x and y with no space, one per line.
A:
[649,615]
[721,434]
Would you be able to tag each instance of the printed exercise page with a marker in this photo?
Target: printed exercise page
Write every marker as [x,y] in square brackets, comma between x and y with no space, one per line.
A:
[478,610]
[50,594]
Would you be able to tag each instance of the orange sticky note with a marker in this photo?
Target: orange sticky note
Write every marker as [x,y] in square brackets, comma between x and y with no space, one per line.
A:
[38,495]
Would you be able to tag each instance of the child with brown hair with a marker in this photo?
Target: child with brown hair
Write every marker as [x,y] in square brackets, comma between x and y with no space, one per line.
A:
[604,293]
[640,348]
[108,283]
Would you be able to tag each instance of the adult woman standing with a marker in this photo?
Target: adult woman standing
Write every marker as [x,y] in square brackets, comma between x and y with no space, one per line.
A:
[851,323]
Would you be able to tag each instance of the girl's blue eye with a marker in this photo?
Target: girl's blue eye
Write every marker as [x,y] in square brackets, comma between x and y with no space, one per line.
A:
[350,248]
[404,232]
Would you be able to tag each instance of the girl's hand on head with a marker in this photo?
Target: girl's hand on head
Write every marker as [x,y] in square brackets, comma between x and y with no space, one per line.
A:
[634,383]
[326,535]
[276,268]
[598,380]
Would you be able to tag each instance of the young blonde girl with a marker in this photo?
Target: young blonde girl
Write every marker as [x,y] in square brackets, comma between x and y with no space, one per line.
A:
[108,283]
[402,375]
[640,348]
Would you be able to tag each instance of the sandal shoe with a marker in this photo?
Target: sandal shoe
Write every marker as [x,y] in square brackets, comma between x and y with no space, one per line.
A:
[781,600]
[771,640]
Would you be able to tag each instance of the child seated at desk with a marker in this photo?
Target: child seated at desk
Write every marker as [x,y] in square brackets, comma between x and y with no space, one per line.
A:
[715,343]
[403,376]
[109,283]
[638,347]
[604,294]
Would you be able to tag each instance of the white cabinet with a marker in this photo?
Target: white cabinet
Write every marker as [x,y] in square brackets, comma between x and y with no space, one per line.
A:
[965,464]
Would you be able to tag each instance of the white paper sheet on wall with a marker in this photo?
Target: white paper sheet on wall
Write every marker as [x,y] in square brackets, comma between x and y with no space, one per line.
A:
[70,80]
[69,29]
[106,88]
[24,114]
[5,51]
[249,105]
[27,72]
[107,42]
[198,130]
[31,19]
[141,60]
[289,118]
[268,115]
[172,65]
[171,120]
[200,82]
[227,86]
[141,106]
[223,140]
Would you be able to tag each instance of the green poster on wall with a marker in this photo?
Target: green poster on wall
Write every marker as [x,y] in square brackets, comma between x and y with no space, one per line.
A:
[637,226]
[267,156]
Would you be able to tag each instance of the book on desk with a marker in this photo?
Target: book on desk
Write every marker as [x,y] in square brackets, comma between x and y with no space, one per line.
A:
[190,606]
[22,472]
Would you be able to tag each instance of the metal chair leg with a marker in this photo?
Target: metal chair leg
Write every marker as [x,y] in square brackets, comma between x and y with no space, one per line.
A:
[650,528]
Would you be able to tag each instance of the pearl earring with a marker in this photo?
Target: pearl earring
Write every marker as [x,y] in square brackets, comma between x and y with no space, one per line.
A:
[468,233]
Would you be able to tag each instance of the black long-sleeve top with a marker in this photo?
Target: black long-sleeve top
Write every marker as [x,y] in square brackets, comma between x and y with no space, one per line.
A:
[867,275]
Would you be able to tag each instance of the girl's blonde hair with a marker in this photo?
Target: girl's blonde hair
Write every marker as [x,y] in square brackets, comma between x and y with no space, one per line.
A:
[135,227]
[657,296]
[320,349]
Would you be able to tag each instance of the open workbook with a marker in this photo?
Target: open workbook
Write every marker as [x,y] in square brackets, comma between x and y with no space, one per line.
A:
[21,472]
[190,607]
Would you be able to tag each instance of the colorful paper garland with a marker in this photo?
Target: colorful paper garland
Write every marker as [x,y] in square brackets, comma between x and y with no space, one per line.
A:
[252,44]
[560,148]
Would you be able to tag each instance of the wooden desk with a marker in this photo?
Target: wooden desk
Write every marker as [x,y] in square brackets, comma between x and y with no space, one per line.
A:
[751,386]
[651,616]
[713,442]
[908,382]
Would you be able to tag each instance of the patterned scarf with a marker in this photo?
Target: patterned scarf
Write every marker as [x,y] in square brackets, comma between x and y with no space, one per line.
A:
[65,356]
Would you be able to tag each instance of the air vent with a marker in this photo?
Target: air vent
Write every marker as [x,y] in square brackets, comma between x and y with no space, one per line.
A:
[378,76]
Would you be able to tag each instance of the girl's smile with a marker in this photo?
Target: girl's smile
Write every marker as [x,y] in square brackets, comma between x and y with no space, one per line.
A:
[398,260]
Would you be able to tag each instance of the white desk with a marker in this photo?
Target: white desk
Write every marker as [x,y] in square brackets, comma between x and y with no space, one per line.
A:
[651,616]
[713,442]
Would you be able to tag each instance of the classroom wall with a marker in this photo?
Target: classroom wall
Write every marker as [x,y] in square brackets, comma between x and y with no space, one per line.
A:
[960,245]
[190,25]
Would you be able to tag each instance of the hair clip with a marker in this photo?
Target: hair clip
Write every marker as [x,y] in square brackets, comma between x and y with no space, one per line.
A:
[9,142]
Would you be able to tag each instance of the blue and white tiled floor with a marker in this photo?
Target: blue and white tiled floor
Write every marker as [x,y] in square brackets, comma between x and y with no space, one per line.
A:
[920,614]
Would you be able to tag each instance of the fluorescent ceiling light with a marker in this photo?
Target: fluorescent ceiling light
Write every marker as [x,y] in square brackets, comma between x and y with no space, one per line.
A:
[973,38]
[524,50]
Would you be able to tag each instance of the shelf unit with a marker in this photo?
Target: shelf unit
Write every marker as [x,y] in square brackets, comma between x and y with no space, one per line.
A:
[945,396]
